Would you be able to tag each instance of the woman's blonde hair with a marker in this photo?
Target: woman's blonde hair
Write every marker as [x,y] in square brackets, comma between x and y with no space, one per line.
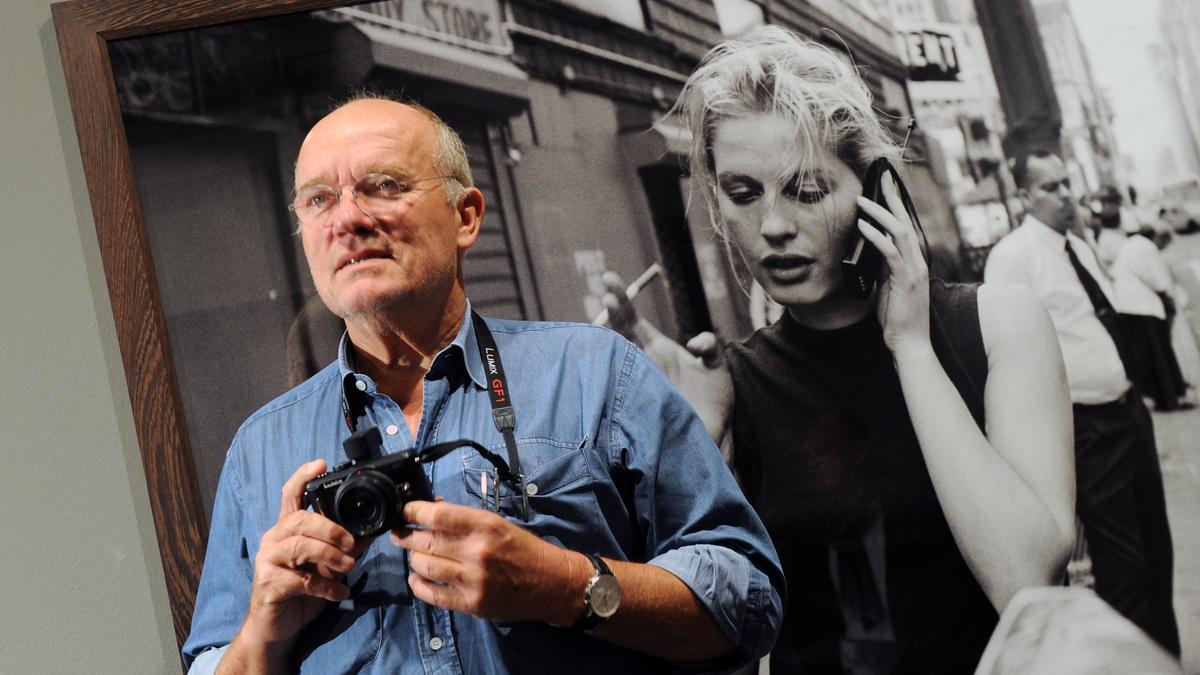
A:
[769,70]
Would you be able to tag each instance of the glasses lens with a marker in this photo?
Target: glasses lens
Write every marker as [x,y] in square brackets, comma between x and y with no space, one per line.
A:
[313,203]
[377,194]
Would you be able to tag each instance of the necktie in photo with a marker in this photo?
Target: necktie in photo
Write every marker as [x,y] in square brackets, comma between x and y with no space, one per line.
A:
[1100,303]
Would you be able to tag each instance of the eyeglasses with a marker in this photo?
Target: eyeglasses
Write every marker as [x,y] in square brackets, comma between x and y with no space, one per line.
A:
[376,194]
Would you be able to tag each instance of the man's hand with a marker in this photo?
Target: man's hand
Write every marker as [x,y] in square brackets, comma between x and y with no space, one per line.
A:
[697,369]
[299,568]
[470,560]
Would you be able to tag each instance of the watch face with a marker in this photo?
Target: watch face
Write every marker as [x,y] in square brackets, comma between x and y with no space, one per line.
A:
[605,596]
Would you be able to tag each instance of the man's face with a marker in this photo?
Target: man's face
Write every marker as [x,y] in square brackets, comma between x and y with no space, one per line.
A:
[366,264]
[1047,196]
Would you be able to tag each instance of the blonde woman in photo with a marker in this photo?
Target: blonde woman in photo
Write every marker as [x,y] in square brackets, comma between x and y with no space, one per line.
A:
[910,452]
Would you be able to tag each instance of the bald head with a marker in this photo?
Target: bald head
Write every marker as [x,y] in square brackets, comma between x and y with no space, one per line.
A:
[416,124]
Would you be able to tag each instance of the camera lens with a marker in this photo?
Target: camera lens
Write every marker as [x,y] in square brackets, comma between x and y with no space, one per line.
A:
[364,502]
[360,507]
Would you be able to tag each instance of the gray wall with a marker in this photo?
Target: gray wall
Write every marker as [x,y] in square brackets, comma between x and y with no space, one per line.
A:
[80,577]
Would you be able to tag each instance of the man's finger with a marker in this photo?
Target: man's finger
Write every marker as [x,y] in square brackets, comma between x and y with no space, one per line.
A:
[447,597]
[444,517]
[305,582]
[293,489]
[424,541]
[297,551]
[313,526]
[437,568]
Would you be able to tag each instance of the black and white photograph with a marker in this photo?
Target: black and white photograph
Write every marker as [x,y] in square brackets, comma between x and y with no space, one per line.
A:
[602,336]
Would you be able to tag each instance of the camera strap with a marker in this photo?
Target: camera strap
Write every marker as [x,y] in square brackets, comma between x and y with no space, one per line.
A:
[354,404]
[440,450]
[502,410]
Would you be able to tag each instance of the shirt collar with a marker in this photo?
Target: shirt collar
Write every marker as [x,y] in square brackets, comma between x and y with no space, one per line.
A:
[467,345]
[459,349]
[1043,232]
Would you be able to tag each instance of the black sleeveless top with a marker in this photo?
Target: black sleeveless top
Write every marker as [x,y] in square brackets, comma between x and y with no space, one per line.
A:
[827,454]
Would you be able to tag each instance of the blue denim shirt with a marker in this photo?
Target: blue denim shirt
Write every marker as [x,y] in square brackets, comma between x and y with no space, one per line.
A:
[621,464]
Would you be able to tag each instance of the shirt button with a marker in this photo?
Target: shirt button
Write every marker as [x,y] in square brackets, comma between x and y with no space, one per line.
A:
[392,429]
[531,489]
[360,385]
[435,643]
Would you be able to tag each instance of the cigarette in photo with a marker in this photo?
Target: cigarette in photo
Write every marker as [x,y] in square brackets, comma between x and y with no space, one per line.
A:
[632,290]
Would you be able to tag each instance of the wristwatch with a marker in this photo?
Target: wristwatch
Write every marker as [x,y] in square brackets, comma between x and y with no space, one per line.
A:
[601,596]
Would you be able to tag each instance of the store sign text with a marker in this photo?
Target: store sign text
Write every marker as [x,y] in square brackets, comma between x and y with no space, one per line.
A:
[930,55]
[470,20]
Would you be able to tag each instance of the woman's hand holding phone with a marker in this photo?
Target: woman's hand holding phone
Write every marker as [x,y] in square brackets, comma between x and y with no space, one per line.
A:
[902,301]
[696,369]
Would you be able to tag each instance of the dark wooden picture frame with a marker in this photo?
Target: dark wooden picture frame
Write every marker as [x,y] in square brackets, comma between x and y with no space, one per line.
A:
[84,28]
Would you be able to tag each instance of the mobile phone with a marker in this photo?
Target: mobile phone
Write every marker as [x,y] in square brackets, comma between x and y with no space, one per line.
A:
[860,264]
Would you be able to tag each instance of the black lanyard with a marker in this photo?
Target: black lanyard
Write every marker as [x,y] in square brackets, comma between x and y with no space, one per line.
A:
[502,410]
[354,402]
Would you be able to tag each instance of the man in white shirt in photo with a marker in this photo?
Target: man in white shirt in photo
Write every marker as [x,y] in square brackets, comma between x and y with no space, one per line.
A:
[1119,483]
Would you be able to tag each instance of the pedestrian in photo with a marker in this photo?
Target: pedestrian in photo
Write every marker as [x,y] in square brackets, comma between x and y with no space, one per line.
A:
[1144,298]
[1119,486]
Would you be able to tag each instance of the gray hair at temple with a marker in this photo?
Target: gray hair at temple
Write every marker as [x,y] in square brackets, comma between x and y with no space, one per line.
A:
[769,70]
[450,159]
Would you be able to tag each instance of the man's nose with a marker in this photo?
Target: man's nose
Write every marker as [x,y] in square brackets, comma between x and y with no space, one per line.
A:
[348,215]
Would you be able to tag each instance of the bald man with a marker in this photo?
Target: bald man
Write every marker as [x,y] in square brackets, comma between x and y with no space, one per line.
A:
[636,549]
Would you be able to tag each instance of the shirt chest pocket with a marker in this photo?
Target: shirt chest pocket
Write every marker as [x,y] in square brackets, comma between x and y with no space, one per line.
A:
[558,482]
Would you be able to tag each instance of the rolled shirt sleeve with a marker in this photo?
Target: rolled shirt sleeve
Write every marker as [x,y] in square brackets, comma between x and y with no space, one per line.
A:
[207,661]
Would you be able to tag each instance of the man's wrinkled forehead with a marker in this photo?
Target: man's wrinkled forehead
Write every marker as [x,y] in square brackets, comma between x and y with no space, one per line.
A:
[393,133]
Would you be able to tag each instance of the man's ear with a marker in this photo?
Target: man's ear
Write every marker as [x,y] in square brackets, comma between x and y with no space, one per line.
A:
[470,217]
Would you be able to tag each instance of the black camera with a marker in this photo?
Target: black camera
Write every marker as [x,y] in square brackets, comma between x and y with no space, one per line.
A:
[367,494]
